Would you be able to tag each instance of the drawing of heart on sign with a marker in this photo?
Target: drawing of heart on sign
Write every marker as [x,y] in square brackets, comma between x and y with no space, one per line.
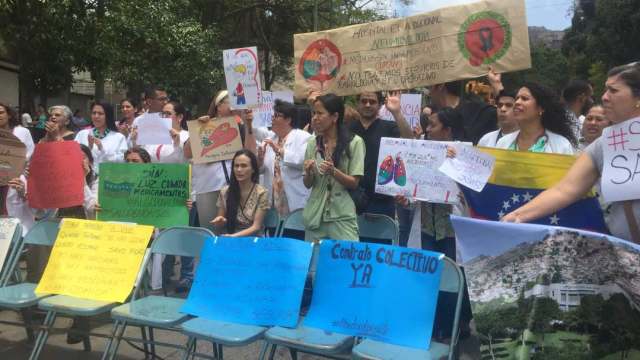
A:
[216,140]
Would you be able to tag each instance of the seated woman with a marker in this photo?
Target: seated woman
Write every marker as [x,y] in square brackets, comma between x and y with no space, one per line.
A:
[543,121]
[243,203]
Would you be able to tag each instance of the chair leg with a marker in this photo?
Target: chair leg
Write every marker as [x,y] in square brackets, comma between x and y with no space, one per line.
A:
[152,345]
[27,317]
[118,339]
[107,347]
[220,356]
[263,351]
[293,353]
[273,351]
[43,334]
[215,350]
[188,349]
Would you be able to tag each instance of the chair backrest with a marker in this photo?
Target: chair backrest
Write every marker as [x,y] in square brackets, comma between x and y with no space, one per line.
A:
[452,280]
[378,226]
[293,221]
[181,241]
[43,233]
[272,221]
[14,249]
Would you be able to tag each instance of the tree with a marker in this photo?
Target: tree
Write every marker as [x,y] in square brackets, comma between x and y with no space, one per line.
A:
[619,329]
[545,310]
[548,67]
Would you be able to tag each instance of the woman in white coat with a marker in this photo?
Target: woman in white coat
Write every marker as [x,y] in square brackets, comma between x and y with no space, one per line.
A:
[104,140]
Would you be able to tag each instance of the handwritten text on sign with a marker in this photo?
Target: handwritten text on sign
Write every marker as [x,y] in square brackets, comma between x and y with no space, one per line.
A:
[12,157]
[95,260]
[241,71]
[263,114]
[255,281]
[215,140]
[410,168]
[150,194]
[410,105]
[469,167]
[355,288]
[621,172]
[56,177]
[443,45]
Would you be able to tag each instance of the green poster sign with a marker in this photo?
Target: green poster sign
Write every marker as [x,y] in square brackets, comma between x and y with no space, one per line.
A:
[149,194]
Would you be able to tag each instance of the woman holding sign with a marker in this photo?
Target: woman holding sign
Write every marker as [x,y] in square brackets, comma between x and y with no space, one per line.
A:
[9,121]
[333,165]
[621,102]
[104,140]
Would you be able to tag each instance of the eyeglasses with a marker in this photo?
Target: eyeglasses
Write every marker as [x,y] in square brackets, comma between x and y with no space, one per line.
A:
[162,98]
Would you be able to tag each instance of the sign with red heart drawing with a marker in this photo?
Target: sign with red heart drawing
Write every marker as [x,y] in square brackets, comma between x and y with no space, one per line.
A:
[215,140]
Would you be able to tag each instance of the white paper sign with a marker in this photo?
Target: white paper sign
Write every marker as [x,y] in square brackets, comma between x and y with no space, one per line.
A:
[7,228]
[410,104]
[241,71]
[470,167]
[410,168]
[153,129]
[263,114]
[621,171]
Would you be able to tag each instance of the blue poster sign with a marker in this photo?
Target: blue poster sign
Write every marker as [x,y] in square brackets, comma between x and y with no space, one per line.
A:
[254,281]
[385,293]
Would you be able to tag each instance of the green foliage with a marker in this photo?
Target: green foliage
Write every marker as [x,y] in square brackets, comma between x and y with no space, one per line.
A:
[548,67]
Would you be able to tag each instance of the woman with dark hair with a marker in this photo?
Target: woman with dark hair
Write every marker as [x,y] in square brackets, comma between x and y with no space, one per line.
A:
[168,153]
[242,205]
[137,155]
[621,103]
[544,123]
[333,165]
[129,108]
[104,140]
[9,121]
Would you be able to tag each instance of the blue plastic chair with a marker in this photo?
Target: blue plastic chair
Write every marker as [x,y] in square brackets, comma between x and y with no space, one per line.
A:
[293,221]
[14,246]
[378,226]
[68,306]
[156,311]
[272,221]
[22,296]
[451,281]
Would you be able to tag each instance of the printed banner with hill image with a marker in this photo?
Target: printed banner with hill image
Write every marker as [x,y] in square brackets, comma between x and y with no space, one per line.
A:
[545,292]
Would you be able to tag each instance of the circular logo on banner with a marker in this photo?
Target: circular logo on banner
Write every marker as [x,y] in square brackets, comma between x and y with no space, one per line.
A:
[484,38]
[320,61]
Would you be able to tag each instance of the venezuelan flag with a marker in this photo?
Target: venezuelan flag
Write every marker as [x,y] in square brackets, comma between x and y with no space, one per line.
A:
[518,177]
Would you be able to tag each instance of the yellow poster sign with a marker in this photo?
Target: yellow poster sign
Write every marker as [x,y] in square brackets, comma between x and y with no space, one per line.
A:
[95,260]
[447,44]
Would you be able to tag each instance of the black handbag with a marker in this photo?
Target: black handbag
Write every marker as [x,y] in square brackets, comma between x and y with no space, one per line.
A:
[360,199]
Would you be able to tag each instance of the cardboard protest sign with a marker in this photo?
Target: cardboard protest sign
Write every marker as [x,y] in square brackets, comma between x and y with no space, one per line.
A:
[216,140]
[410,168]
[150,194]
[242,73]
[7,229]
[451,43]
[56,176]
[621,148]
[153,129]
[534,286]
[411,106]
[354,288]
[469,167]
[256,281]
[13,154]
[95,260]
[262,115]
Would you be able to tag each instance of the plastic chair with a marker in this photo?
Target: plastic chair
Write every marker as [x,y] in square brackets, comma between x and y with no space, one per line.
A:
[272,221]
[451,281]
[22,296]
[13,251]
[378,226]
[156,311]
[293,221]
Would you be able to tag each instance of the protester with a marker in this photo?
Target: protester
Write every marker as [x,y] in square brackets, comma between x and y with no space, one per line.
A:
[479,117]
[129,108]
[372,129]
[26,118]
[621,102]
[506,121]
[58,125]
[594,123]
[105,142]
[544,124]
[282,157]
[242,205]
[9,121]
[38,131]
[168,153]
[138,155]
[333,165]
[78,122]
[578,98]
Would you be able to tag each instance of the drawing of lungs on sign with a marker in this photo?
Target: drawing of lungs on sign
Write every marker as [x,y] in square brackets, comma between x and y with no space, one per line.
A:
[223,134]
[390,170]
[484,38]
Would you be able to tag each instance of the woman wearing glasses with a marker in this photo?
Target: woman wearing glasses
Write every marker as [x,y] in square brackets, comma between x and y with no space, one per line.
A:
[333,165]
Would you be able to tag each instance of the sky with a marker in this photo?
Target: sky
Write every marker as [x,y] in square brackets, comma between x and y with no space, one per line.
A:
[552,14]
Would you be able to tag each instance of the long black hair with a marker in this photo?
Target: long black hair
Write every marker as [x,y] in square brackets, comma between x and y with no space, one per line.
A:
[180,109]
[555,117]
[452,119]
[12,114]
[233,195]
[335,105]
[91,176]
[108,113]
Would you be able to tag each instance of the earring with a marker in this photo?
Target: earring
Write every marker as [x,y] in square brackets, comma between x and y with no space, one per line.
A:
[637,105]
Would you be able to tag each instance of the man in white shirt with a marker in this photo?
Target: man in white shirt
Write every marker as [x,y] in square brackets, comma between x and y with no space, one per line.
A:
[506,122]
